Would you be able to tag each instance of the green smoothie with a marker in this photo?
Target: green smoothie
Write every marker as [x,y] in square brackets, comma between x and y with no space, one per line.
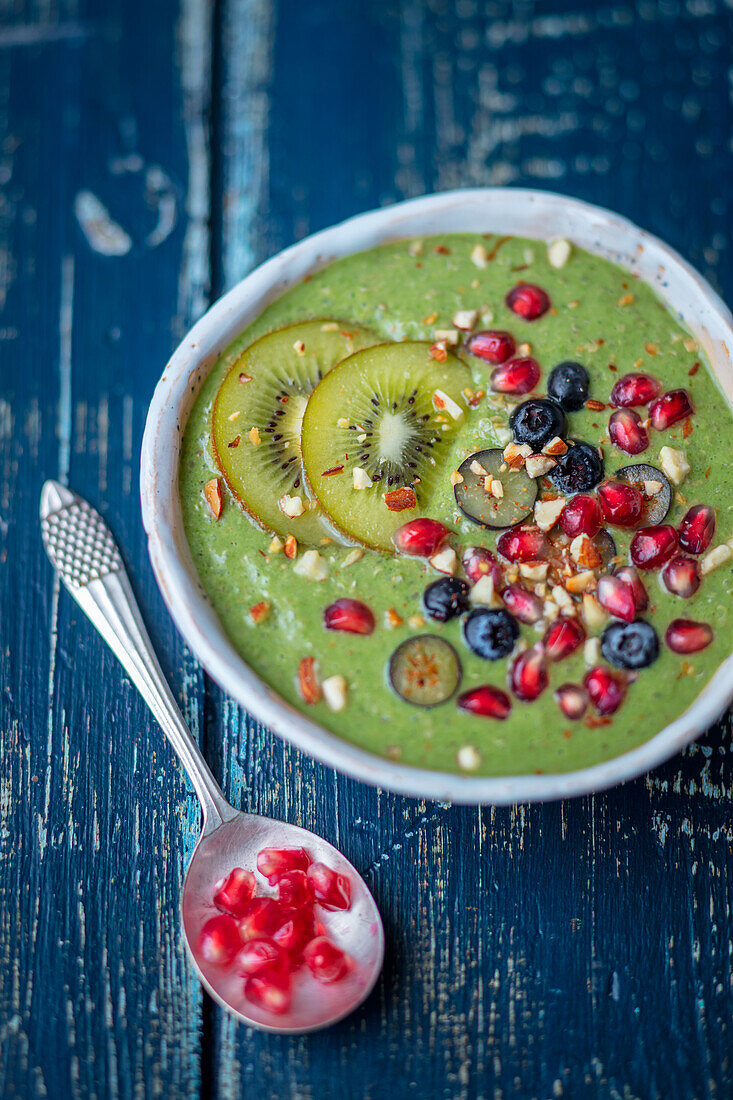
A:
[600,316]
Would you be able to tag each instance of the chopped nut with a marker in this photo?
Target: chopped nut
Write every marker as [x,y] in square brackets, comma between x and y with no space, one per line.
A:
[524,350]
[690,344]
[594,615]
[291,547]
[430,319]
[343,422]
[626,299]
[550,610]
[482,592]
[361,478]
[465,319]
[480,257]
[416,622]
[584,553]
[651,488]
[580,582]
[477,469]
[650,349]
[308,680]
[334,692]
[539,465]
[299,347]
[556,446]
[456,478]
[497,489]
[392,619]
[330,326]
[254,436]
[311,566]
[399,500]
[214,498]
[445,561]
[468,758]
[244,377]
[449,336]
[234,416]
[534,570]
[516,453]
[503,436]
[592,651]
[548,512]
[438,352]
[352,557]
[558,253]
[292,507]
[276,545]
[260,611]
[415,248]
[234,442]
[441,400]
[563,600]
[674,464]
[715,558]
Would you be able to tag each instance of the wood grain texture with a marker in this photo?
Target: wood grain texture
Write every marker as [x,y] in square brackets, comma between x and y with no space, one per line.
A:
[576,949]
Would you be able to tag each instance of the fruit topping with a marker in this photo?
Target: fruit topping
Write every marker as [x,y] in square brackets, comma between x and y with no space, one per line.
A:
[402,407]
[622,503]
[486,701]
[326,962]
[330,889]
[630,577]
[266,467]
[635,389]
[492,494]
[493,346]
[670,408]
[572,700]
[569,384]
[605,545]
[582,515]
[353,616]
[681,576]
[490,633]
[562,638]
[687,636]
[420,537]
[523,605]
[651,547]
[606,690]
[627,432]
[697,529]
[528,676]
[516,376]
[263,954]
[616,597]
[578,471]
[234,893]
[537,421]
[479,562]
[630,645]
[446,598]
[219,940]
[524,544]
[262,918]
[296,931]
[425,670]
[270,990]
[655,490]
[528,301]
[293,891]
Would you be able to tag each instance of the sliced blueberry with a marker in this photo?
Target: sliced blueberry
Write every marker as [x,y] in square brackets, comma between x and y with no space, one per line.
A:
[630,645]
[537,421]
[491,634]
[569,384]
[446,598]
[579,470]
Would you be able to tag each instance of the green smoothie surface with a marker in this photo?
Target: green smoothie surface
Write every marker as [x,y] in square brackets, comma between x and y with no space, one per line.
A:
[602,317]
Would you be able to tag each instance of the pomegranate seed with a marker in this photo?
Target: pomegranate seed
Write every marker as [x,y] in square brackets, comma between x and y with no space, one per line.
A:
[479,562]
[669,408]
[296,932]
[488,701]
[493,346]
[627,432]
[653,546]
[616,597]
[563,638]
[261,919]
[219,940]
[582,515]
[606,690]
[529,674]
[259,955]
[326,961]
[635,389]
[270,990]
[294,891]
[697,528]
[524,605]
[528,301]
[235,892]
[420,537]
[516,376]
[522,544]
[687,636]
[630,576]
[274,862]
[331,890]
[622,503]
[353,616]
[681,576]
[572,700]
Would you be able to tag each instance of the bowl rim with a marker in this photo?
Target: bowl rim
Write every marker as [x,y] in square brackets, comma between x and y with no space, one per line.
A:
[712,325]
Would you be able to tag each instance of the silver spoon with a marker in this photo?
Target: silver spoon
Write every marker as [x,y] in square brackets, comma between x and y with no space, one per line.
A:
[81,547]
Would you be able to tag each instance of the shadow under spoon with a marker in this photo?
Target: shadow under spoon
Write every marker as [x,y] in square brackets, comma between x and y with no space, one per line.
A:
[83,551]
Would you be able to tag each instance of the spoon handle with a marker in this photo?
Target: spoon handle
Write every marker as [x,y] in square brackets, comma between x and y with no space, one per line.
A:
[83,551]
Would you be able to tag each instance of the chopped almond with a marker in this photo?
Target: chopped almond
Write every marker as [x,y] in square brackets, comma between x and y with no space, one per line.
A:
[311,566]
[416,622]
[260,611]
[548,512]
[480,257]
[445,561]
[443,401]
[715,558]
[456,478]
[392,619]
[497,489]
[690,344]
[534,570]
[438,352]
[291,547]
[592,651]
[352,557]
[343,422]
[465,319]
[361,478]
[399,500]
[244,377]
[563,600]
[556,446]
[584,553]
[580,582]
[558,253]
[477,469]
[482,592]
[334,692]
[524,350]
[674,464]
[234,416]
[449,336]
[214,498]
[539,465]
[516,454]
[626,299]
[299,347]
[276,545]
[308,680]
[292,507]
[594,615]
[330,326]
[650,349]
[651,488]
[254,436]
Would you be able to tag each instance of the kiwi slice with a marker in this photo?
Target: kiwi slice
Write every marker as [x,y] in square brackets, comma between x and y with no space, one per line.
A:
[376,432]
[425,670]
[656,504]
[478,503]
[257,415]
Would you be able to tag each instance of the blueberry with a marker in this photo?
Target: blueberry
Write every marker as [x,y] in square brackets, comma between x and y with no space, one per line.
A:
[569,384]
[579,470]
[446,598]
[537,421]
[490,634]
[630,645]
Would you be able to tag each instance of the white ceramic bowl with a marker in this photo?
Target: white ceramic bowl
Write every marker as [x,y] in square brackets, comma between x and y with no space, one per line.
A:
[536,214]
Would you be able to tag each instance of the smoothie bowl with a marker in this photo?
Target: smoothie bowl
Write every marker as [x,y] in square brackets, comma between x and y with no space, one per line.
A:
[443,496]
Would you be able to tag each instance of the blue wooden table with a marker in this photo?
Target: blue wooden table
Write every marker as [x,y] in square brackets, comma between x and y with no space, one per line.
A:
[150,154]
